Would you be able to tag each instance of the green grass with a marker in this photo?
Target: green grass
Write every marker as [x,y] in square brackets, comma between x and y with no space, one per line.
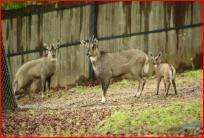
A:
[191,74]
[119,84]
[118,122]
[85,89]
[122,84]
[151,121]
[154,120]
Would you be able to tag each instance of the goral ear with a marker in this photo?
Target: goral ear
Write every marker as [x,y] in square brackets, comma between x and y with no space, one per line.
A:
[56,45]
[160,54]
[151,55]
[46,46]
[95,42]
[84,43]
[91,39]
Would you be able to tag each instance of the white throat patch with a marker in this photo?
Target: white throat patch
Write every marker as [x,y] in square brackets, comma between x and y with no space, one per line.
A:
[93,59]
[155,66]
[53,59]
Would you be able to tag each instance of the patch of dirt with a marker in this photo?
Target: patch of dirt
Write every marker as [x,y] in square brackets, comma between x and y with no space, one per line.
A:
[72,111]
[67,99]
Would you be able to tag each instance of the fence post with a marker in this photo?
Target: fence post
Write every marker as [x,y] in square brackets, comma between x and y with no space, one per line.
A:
[92,31]
[8,98]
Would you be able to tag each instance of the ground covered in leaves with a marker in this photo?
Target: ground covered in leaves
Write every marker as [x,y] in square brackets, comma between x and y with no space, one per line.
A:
[78,111]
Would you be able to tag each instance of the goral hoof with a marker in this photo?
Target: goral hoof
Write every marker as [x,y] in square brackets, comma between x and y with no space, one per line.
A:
[137,95]
[103,100]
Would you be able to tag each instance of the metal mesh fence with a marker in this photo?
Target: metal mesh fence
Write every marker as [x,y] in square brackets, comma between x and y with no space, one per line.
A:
[8,99]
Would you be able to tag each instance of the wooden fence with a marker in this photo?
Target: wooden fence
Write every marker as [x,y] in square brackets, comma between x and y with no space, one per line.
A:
[175,28]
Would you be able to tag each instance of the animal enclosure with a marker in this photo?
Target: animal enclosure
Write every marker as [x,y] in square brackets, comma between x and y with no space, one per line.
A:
[175,29]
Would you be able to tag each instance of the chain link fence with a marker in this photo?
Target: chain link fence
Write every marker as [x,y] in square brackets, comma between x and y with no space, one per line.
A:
[8,98]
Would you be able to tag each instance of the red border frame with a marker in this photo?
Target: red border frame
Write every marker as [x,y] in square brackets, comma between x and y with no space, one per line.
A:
[203,58]
[0,76]
[94,1]
[99,0]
